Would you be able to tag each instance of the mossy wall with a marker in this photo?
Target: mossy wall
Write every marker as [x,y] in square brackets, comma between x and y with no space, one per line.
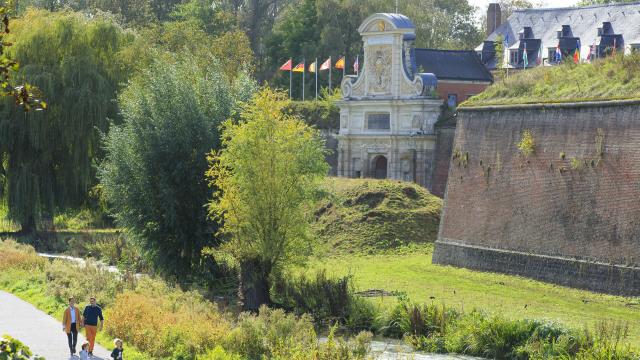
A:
[555,180]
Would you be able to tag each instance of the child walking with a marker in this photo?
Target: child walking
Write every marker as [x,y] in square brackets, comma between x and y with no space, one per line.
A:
[84,353]
[116,354]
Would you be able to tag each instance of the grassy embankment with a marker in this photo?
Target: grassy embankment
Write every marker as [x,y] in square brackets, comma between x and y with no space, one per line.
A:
[605,79]
[395,255]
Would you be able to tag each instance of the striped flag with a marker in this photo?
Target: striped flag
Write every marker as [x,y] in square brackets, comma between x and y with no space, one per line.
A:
[299,67]
[525,57]
[287,66]
[558,55]
[312,67]
[340,63]
[356,65]
[576,54]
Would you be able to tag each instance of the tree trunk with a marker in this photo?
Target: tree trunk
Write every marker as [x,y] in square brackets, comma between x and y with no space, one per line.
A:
[253,290]
[28,226]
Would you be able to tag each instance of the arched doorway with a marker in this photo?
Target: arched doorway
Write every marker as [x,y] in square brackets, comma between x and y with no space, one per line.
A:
[380,167]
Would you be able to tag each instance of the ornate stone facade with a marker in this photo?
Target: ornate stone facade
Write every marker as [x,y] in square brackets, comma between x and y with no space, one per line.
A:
[388,112]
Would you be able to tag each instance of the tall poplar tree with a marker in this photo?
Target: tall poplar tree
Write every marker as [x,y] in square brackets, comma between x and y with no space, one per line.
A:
[48,157]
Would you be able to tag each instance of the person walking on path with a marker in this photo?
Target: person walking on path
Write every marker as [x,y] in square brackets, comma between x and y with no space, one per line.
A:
[71,323]
[93,322]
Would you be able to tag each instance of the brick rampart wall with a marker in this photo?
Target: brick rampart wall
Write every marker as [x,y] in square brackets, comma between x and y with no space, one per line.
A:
[441,159]
[565,201]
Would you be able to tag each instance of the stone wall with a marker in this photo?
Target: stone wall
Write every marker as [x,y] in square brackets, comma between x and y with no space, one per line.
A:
[441,159]
[574,203]
[331,144]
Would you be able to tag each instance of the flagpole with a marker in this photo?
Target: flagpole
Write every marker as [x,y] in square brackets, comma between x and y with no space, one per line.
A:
[316,70]
[290,78]
[330,71]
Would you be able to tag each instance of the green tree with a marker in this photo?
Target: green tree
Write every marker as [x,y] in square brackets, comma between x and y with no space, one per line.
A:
[48,157]
[266,175]
[153,172]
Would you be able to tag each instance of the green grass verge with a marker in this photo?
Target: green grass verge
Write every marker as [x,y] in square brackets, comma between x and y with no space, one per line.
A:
[612,78]
[31,287]
[511,296]
[373,216]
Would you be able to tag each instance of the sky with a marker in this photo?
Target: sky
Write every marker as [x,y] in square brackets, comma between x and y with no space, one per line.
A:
[482,4]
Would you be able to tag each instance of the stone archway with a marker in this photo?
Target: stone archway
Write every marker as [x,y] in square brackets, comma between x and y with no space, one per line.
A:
[380,167]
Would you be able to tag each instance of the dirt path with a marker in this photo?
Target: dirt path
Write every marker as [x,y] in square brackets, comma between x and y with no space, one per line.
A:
[40,332]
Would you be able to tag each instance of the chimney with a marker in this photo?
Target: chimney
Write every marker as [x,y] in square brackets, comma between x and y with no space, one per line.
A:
[494,18]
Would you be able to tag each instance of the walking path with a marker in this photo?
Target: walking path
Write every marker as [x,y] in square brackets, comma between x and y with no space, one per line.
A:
[39,331]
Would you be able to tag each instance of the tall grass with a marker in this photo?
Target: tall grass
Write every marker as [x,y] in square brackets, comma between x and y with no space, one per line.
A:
[611,78]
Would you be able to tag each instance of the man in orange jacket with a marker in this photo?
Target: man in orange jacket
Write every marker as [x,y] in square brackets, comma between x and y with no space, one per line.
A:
[71,322]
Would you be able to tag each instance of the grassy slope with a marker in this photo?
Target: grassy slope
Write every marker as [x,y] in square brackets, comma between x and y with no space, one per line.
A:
[367,216]
[608,79]
[360,235]
[31,288]
[414,274]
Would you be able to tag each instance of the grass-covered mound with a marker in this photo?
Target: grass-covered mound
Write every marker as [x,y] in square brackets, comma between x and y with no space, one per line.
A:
[605,79]
[368,216]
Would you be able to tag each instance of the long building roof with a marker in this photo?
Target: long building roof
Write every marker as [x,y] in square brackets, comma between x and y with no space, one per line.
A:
[583,22]
[463,65]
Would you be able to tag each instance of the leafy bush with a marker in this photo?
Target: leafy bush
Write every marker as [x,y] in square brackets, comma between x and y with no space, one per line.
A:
[322,114]
[117,250]
[166,322]
[12,349]
[274,334]
[18,256]
[327,300]
[66,279]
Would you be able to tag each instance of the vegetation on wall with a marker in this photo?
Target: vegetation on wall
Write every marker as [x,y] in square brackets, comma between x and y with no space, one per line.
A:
[611,78]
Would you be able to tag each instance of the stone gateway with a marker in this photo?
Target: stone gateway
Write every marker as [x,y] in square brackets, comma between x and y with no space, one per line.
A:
[390,115]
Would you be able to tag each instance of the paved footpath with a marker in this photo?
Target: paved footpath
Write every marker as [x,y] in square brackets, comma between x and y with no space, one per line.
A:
[40,332]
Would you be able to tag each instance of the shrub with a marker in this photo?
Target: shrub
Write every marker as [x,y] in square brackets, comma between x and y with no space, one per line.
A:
[322,114]
[18,256]
[117,250]
[272,334]
[219,353]
[66,279]
[326,300]
[166,322]
[12,349]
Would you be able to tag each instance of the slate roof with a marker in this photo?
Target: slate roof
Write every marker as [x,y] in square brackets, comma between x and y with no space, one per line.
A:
[583,21]
[400,21]
[452,64]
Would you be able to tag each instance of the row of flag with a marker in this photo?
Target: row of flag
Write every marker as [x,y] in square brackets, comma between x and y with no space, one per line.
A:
[313,68]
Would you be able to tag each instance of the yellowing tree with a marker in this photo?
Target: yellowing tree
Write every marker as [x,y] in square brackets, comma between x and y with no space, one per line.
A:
[266,176]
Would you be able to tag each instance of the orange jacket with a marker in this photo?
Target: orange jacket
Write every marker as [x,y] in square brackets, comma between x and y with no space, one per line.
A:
[66,319]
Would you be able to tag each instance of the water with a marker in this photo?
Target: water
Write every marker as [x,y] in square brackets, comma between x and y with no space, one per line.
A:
[387,349]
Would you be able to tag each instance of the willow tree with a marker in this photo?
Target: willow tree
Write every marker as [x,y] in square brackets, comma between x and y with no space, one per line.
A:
[48,158]
[153,172]
[266,174]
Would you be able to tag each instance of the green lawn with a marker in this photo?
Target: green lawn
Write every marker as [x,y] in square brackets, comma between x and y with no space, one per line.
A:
[512,296]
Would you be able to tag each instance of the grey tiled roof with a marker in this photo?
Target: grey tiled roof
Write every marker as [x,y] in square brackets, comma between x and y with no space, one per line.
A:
[452,64]
[584,22]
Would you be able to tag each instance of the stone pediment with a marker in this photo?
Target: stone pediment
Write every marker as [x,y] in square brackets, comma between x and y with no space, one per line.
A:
[389,69]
